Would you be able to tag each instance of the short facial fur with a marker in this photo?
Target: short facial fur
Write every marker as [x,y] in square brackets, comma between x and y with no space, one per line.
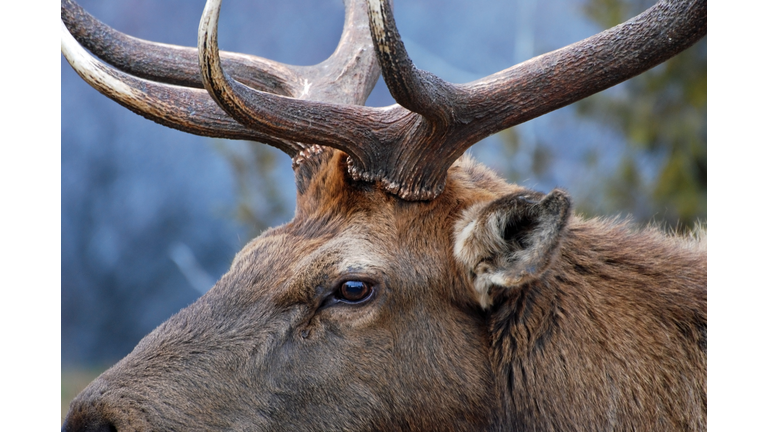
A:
[492,308]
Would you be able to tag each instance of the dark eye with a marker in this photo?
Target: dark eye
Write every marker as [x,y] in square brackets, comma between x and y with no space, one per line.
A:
[354,291]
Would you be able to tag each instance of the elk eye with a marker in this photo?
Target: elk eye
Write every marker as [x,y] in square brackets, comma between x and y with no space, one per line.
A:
[354,291]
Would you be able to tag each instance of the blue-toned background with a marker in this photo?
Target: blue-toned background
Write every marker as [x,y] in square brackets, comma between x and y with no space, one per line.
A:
[151,217]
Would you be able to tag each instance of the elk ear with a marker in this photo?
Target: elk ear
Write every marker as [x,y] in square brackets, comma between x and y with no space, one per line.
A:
[512,240]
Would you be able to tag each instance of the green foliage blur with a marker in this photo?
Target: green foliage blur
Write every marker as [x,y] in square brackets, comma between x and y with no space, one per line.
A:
[662,114]
[261,199]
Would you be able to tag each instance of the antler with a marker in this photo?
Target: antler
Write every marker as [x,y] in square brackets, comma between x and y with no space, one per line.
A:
[407,147]
[461,115]
[163,82]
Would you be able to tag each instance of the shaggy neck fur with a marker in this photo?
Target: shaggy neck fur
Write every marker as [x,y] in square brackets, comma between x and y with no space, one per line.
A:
[613,334]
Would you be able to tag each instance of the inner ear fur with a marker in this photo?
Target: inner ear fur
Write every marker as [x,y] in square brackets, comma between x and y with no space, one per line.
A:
[512,240]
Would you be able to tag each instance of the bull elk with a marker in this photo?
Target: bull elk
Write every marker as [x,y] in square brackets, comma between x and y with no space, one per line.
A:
[414,289]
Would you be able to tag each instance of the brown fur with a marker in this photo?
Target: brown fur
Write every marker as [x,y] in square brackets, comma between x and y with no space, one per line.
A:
[612,337]
[609,335]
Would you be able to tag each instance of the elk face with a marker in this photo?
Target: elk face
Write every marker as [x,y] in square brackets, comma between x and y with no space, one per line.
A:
[352,316]
[356,315]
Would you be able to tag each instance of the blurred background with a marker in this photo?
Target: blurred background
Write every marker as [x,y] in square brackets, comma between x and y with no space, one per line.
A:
[151,216]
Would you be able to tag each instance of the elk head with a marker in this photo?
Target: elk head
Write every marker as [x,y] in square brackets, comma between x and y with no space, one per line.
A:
[368,310]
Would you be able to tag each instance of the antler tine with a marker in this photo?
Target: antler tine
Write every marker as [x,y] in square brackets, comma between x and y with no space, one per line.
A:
[170,64]
[187,109]
[564,76]
[349,75]
[334,125]
[417,90]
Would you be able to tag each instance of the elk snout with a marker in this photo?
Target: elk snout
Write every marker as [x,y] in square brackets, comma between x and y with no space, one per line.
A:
[87,417]
[100,408]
